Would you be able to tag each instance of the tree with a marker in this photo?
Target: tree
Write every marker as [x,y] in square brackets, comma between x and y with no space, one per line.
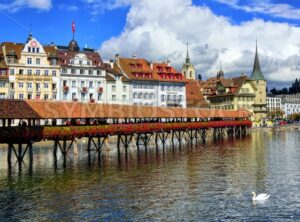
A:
[274,91]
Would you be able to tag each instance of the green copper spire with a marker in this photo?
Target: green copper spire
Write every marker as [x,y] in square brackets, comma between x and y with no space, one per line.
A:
[187,60]
[257,74]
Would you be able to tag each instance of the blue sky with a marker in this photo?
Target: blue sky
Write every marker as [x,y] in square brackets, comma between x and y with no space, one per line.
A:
[217,30]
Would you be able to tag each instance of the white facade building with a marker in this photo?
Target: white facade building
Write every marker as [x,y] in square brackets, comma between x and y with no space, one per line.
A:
[156,84]
[274,103]
[83,75]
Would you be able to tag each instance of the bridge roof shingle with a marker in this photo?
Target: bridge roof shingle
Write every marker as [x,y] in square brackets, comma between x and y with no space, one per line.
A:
[27,109]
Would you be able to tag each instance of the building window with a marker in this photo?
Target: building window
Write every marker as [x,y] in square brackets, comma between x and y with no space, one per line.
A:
[64,70]
[113,88]
[29,72]
[113,98]
[134,95]
[12,96]
[21,96]
[29,85]
[90,72]
[82,83]
[2,84]
[99,96]
[37,50]
[54,96]
[29,49]
[46,97]
[90,84]
[72,71]
[11,71]
[162,88]
[53,86]
[124,97]
[73,96]
[81,71]
[82,96]
[162,98]
[38,61]
[46,85]
[124,88]
[29,61]
[20,85]
[46,72]
[53,72]
[73,84]
[38,72]
[53,62]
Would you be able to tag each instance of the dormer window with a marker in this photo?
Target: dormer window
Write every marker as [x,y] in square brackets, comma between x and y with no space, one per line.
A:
[168,69]
[53,62]
[11,59]
[29,49]
[132,66]
[139,66]
[37,50]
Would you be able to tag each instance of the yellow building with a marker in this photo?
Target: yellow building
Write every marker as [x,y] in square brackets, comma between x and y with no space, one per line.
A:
[33,70]
[233,94]
[4,84]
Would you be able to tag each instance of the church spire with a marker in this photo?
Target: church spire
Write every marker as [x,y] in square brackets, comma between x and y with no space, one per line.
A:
[187,60]
[30,34]
[257,74]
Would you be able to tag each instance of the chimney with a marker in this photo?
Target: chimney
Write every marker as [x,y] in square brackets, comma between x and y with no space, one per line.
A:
[117,58]
[151,65]
[134,56]
[168,63]
[111,63]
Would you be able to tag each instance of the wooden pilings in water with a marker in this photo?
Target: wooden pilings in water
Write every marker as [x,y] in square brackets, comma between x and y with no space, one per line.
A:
[19,152]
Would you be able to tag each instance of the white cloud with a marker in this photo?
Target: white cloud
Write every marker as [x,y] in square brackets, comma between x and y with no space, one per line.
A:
[19,4]
[159,31]
[265,7]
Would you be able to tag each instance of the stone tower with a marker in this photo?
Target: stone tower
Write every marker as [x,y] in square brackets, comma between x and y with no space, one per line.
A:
[257,78]
[188,69]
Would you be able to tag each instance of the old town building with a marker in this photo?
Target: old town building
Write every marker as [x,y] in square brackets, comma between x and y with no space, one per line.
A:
[82,74]
[233,94]
[33,70]
[117,86]
[4,83]
[153,84]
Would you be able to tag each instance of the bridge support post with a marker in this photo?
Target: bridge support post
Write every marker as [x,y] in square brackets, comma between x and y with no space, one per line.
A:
[97,147]
[19,152]
[203,133]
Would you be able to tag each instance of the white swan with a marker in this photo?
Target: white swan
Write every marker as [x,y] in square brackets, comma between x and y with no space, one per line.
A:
[259,197]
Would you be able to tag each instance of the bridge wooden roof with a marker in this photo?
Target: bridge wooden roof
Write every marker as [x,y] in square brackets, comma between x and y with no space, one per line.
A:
[32,109]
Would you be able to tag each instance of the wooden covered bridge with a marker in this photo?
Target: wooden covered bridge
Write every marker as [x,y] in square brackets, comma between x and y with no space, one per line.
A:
[23,123]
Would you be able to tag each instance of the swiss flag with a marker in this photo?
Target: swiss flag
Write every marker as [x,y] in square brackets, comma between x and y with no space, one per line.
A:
[73,27]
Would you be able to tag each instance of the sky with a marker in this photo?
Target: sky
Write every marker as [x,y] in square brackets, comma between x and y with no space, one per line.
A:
[218,31]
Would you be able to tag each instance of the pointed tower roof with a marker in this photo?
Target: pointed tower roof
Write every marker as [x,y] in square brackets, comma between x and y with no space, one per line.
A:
[187,60]
[257,74]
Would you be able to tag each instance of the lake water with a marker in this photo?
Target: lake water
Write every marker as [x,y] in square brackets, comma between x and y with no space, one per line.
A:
[211,182]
